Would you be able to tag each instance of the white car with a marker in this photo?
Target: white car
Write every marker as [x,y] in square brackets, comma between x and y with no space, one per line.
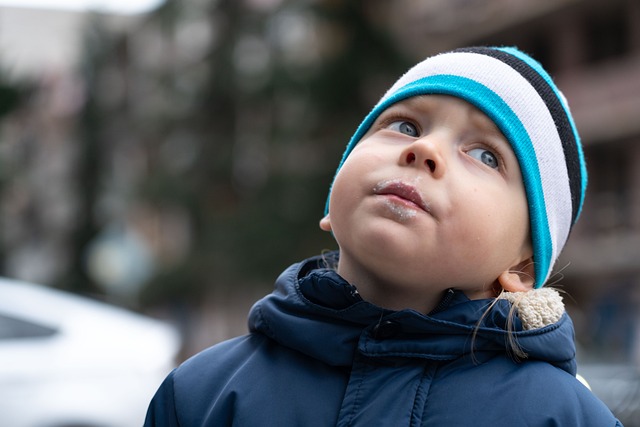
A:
[66,360]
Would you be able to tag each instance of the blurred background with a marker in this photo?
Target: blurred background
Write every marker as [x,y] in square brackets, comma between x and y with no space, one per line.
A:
[175,158]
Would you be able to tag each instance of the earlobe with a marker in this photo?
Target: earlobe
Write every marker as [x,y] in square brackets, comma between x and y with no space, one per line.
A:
[325,223]
[519,278]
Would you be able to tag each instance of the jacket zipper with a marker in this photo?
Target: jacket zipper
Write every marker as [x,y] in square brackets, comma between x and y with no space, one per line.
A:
[444,302]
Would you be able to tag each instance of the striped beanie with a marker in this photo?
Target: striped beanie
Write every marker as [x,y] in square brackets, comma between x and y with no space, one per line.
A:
[520,97]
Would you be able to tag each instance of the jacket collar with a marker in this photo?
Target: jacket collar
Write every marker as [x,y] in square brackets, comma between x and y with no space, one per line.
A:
[315,311]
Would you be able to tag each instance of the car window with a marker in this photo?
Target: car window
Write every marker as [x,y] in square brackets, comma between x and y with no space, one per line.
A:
[14,328]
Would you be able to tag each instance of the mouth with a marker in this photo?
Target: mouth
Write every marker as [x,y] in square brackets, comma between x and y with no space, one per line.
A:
[403,192]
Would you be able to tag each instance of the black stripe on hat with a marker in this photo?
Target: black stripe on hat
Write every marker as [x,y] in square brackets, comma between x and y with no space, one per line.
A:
[558,112]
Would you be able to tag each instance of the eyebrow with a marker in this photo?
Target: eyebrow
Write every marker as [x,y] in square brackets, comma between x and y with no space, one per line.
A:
[484,123]
[475,116]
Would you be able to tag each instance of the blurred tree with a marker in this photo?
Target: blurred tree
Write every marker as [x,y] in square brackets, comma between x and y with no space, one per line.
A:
[13,93]
[10,96]
[91,157]
[286,89]
[242,140]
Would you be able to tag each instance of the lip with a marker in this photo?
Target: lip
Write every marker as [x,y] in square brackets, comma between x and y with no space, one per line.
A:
[404,191]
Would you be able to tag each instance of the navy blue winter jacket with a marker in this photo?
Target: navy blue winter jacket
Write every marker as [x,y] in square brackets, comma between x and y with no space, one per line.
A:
[318,355]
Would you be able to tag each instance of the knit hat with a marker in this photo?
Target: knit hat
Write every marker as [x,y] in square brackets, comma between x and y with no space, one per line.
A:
[520,97]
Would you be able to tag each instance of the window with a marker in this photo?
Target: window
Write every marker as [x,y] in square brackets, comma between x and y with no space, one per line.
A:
[13,328]
[607,204]
[607,34]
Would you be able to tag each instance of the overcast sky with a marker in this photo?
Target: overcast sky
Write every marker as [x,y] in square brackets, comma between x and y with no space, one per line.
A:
[111,6]
[41,37]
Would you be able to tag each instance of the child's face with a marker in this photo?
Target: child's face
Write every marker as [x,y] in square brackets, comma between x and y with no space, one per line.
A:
[431,198]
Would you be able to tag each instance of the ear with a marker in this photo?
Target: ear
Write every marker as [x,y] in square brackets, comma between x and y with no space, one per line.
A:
[325,223]
[518,278]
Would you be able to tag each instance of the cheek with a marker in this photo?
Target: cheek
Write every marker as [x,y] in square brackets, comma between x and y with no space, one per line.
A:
[495,228]
[342,192]
[345,193]
[351,183]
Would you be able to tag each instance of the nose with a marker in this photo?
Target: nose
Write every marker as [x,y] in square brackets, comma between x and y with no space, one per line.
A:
[425,152]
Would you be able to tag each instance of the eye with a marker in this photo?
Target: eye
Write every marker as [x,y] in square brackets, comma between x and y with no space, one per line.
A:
[404,127]
[485,156]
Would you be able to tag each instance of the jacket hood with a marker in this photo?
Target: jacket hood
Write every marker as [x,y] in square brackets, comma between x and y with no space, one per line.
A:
[315,311]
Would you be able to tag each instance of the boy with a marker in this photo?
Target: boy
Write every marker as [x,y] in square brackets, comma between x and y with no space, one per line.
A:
[452,201]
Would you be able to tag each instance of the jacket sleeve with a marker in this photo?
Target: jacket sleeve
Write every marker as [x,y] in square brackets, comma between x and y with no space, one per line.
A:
[162,409]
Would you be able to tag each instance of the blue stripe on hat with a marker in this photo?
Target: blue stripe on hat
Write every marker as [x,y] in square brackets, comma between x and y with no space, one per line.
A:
[509,124]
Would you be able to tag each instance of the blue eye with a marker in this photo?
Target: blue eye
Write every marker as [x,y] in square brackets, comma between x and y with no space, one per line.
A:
[485,156]
[404,127]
